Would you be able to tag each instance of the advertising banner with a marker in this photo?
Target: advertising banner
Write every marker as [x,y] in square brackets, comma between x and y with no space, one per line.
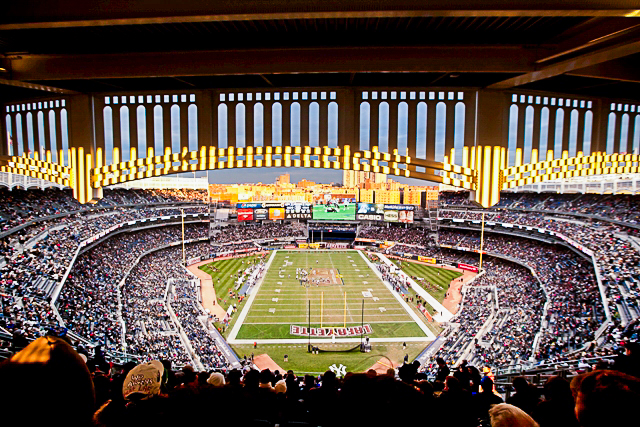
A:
[405,217]
[290,246]
[303,245]
[370,212]
[260,213]
[399,208]
[360,239]
[353,331]
[314,245]
[468,267]
[297,210]
[391,216]
[426,259]
[248,205]
[245,214]
[276,213]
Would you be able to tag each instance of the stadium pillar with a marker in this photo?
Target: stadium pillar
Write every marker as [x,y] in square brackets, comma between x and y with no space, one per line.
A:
[82,148]
[489,145]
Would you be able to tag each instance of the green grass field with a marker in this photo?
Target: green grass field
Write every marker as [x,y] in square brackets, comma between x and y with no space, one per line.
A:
[302,362]
[271,319]
[225,269]
[439,278]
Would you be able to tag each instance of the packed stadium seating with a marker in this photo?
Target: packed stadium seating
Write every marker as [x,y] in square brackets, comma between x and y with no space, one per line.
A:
[537,303]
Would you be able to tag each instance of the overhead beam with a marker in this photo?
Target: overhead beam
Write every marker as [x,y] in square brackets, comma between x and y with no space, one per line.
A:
[36,86]
[506,59]
[80,13]
[576,63]
[607,71]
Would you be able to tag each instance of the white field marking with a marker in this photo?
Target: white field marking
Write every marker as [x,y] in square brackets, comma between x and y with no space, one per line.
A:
[279,283]
[376,299]
[366,294]
[348,308]
[274,299]
[272,310]
[360,275]
[402,302]
[370,290]
[278,290]
[427,297]
[364,282]
[382,309]
[328,341]
[252,296]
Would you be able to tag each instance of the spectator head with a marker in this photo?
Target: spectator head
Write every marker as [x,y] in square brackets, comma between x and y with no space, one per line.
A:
[557,389]
[440,361]
[371,373]
[487,385]
[605,398]
[452,384]
[49,376]
[144,381]
[632,349]
[520,384]
[188,375]
[505,415]
[252,379]
[281,387]
[216,379]
[265,376]
[234,377]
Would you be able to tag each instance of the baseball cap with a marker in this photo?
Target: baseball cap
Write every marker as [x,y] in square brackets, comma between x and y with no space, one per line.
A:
[216,379]
[144,381]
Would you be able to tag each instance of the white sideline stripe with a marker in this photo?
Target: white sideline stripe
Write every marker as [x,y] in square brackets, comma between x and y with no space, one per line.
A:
[329,341]
[439,308]
[252,296]
[402,302]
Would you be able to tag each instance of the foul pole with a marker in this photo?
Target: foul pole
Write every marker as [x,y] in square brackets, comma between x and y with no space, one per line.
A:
[481,241]
[184,255]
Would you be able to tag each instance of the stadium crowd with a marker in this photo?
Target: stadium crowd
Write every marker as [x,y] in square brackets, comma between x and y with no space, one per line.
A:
[94,392]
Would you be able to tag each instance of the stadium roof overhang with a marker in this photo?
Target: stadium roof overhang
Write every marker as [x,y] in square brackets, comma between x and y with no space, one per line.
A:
[579,47]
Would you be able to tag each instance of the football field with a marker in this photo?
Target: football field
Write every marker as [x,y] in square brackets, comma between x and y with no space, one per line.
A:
[282,306]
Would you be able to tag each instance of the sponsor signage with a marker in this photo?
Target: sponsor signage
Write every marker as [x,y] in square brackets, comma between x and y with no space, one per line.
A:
[370,208]
[314,245]
[369,217]
[360,239]
[426,259]
[468,267]
[276,213]
[260,213]
[290,246]
[294,210]
[399,207]
[391,216]
[328,332]
[248,205]
[245,214]
[303,245]
[405,216]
